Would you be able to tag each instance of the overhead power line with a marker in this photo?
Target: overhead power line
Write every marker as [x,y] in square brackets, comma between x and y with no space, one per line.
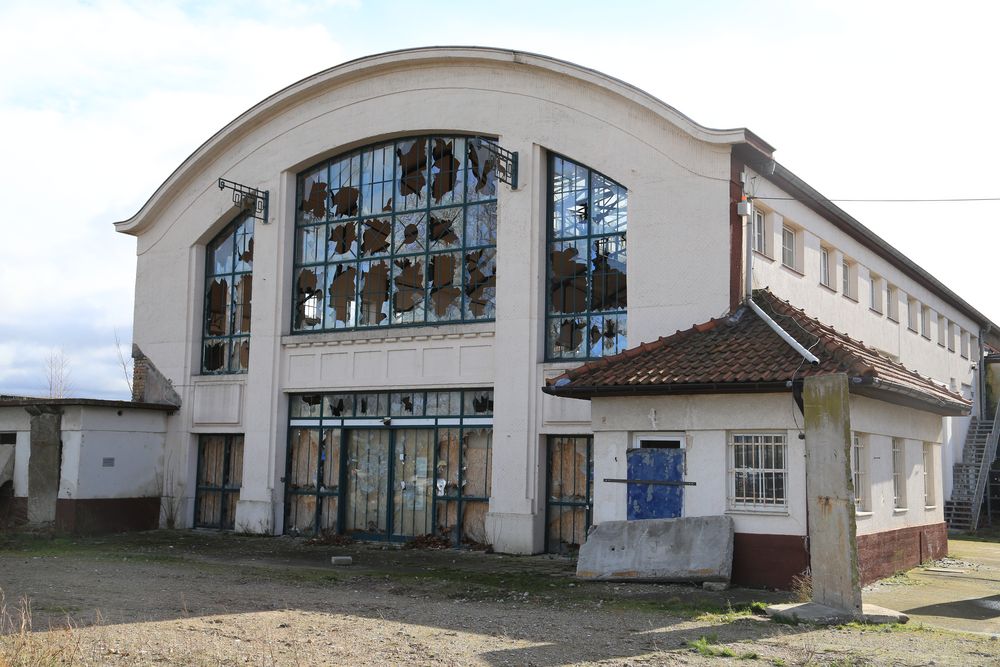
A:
[882,201]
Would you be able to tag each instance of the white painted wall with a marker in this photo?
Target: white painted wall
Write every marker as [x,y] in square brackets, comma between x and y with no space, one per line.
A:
[677,175]
[855,315]
[16,420]
[111,453]
[707,421]
[677,220]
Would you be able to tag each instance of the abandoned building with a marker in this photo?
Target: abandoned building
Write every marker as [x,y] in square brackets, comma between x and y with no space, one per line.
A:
[380,293]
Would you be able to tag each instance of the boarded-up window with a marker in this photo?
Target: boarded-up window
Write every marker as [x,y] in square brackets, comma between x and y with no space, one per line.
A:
[569,492]
[220,474]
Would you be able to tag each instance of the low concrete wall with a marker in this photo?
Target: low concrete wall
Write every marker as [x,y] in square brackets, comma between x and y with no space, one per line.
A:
[687,549]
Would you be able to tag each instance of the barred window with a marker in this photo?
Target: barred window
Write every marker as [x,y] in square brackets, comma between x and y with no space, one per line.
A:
[859,472]
[399,233]
[758,471]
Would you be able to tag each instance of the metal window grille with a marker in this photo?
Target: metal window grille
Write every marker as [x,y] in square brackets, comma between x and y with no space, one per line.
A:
[898,474]
[758,472]
[228,293]
[219,477]
[586,297]
[569,491]
[398,233]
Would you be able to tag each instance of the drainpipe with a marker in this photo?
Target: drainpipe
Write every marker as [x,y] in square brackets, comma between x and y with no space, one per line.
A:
[806,354]
[745,210]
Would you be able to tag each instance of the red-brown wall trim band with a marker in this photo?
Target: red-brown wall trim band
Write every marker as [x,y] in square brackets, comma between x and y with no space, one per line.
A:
[735,232]
[768,561]
[884,554]
[106,515]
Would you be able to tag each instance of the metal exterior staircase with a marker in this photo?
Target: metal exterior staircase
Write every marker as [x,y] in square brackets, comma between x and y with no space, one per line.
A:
[961,513]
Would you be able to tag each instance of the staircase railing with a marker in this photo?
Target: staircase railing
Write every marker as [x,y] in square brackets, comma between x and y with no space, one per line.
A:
[984,470]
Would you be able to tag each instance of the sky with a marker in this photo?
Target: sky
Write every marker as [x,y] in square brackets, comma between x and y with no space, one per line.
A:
[101,100]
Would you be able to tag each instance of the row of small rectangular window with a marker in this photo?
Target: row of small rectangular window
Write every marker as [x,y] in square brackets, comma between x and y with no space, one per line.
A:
[758,472]
[860,459]
[881,300]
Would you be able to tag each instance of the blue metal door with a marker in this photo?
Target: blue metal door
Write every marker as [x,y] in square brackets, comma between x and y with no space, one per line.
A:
[655,501]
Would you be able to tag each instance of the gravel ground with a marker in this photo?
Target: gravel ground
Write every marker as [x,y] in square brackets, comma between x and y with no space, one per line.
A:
[190,598]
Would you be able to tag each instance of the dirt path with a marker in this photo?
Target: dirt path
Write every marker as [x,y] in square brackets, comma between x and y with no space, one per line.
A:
[183,598]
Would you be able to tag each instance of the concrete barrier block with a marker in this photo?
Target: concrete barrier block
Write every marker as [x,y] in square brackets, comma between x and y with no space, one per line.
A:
[696,549]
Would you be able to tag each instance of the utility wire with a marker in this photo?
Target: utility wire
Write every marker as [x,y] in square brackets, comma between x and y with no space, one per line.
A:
[885,201]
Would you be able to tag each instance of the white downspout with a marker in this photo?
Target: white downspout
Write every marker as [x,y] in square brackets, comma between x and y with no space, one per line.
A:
[806,354]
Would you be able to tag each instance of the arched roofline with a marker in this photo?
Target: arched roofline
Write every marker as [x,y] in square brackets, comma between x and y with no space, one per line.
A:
[402,59]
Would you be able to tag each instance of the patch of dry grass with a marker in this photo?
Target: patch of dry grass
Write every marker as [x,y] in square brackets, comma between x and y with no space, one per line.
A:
[20,647]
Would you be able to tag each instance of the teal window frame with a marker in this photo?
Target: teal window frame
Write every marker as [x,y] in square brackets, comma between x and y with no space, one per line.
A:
[601,325]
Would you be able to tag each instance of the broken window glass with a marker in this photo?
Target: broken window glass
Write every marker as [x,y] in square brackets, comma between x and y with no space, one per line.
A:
[372,405]
[228,298]
[338,405]
[479,402]
[408,290]
[309,298]
[444,287]
[446,229]
[313,196]
[341,305]
[588,286]
[480,284]
[411,233]
[406,404]
[341,243]
[406,202]
[480,170]
[374,310]
[345,192]
[411,173]
[446,170]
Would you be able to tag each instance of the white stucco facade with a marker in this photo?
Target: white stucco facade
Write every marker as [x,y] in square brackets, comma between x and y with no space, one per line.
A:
[679,266]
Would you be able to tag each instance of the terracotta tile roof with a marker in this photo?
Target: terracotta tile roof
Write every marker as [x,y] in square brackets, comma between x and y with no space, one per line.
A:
[742,353]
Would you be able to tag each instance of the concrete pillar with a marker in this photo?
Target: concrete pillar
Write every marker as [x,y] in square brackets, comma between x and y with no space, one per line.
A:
[44,463]
[514,522]
[830,494]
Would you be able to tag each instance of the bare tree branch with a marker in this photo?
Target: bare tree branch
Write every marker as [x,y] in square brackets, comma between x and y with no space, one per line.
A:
[57,374]
[126,364]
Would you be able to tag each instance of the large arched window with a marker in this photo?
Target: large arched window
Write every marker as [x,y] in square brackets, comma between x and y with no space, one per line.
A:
[398,233]
[228,290]
[588,217]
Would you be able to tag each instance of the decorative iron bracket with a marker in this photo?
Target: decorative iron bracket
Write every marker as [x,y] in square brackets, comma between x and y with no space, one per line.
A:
[504,162]
[248,199]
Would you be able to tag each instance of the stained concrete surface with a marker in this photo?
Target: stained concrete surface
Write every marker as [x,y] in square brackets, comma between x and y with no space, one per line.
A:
[961,592]
[689,549]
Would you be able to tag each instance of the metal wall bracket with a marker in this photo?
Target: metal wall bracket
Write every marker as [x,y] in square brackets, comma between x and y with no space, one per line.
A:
[504,162]
[248,199]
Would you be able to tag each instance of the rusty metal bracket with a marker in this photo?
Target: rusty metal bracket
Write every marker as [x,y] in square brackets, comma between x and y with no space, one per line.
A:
[248,199]
[654,482]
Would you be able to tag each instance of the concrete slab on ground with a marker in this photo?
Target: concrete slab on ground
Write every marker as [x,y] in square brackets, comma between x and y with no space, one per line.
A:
[961,592]
[695,549]
[814,613]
